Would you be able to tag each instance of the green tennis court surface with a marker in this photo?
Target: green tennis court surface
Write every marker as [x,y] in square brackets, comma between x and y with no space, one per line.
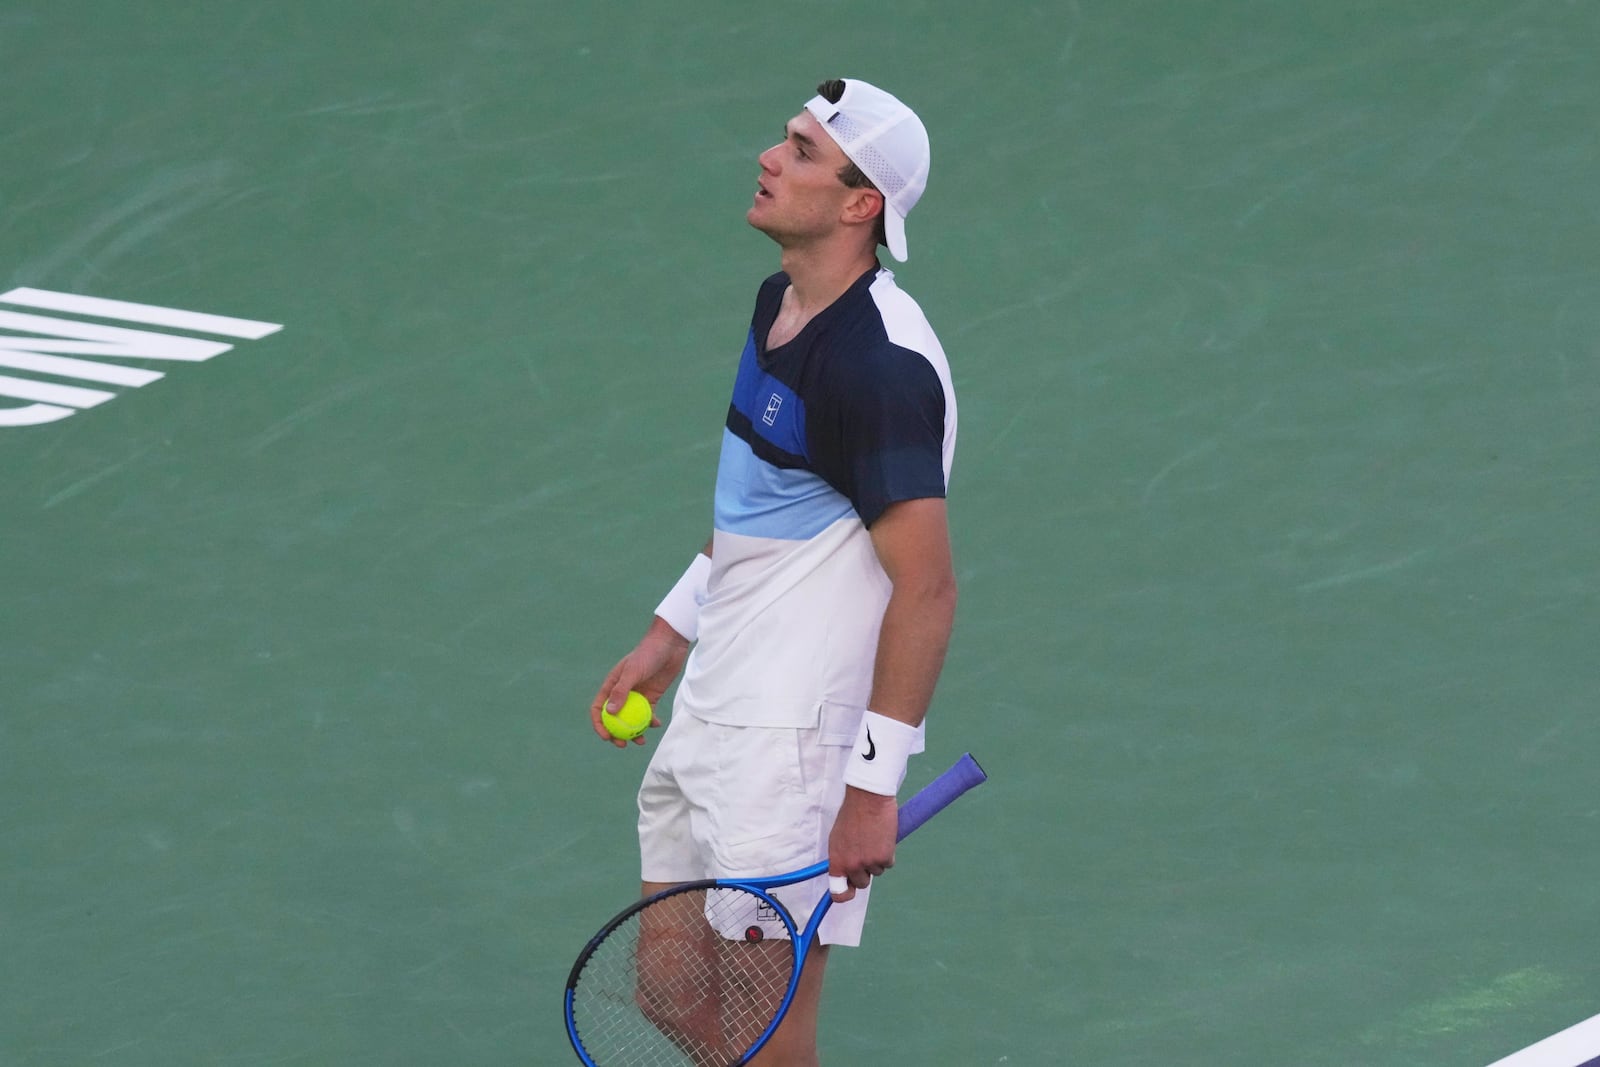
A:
[1275,335]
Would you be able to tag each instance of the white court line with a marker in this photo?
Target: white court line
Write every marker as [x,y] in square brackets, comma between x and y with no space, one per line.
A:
[146,313]
[50,393]
[1577,1046]
[87,369]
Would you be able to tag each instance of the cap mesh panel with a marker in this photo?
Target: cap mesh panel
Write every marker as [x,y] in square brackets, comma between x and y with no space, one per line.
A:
[883,175]
[869,159]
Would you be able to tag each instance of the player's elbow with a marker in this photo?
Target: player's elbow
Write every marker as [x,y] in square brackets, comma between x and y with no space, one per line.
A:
[947,596]
[933,593]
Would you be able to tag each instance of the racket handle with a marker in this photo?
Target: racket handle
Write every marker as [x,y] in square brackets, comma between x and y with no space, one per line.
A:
[934,797]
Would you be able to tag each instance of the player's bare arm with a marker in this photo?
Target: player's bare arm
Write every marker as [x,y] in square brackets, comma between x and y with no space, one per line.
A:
[912,540]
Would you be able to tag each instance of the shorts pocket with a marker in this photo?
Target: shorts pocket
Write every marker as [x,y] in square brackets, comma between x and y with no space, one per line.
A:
[761,789]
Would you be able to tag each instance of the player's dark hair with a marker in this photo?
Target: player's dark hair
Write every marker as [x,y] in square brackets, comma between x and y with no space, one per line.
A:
[850,174]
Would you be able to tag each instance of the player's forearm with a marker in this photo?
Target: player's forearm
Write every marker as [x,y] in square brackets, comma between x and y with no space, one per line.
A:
[911,647]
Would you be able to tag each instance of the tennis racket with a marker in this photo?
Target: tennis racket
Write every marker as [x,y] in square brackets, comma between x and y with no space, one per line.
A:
[701,974]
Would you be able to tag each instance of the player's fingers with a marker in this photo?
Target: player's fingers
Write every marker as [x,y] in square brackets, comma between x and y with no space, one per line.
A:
[860,879]
[600,727]
[594,721]
[605,735]
[607,687]
[598,705]
[840,887]
[619,692]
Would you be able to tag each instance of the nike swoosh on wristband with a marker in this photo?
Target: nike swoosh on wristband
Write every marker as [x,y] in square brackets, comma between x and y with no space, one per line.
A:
[872,748]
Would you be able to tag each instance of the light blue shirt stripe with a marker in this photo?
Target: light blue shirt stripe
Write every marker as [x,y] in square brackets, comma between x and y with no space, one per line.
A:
[756,499]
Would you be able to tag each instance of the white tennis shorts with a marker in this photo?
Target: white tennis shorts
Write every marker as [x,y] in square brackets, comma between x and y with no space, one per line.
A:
[747,801]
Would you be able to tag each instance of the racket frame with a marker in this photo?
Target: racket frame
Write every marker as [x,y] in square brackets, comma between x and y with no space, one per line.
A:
[928,802]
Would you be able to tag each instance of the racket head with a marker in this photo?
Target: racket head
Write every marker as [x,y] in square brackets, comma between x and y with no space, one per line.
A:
[695,976]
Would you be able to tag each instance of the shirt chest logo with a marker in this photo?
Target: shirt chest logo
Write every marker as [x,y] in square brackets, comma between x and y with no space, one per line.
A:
[770,416]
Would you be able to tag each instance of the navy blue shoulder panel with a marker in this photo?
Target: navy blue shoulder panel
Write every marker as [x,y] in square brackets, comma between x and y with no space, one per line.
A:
[864,414]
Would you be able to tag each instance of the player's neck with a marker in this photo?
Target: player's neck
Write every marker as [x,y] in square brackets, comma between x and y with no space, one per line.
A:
[820,275]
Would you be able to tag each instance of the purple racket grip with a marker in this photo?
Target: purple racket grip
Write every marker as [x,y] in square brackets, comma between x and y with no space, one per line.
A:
[934,797]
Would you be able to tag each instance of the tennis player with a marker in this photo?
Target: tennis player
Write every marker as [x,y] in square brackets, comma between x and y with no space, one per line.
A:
[820,611]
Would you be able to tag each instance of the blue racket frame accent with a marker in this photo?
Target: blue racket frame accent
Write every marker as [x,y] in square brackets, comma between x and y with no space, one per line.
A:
[928,802]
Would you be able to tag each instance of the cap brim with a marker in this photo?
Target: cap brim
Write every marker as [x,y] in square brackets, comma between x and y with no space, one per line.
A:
[894,232]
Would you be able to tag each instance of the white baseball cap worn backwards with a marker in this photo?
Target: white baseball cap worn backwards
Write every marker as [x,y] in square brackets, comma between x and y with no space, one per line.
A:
[888,142]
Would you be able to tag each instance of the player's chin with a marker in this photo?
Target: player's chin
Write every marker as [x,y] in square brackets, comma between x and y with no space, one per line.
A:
[758,215]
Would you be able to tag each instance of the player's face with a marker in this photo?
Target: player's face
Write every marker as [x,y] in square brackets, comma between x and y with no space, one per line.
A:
[798,193]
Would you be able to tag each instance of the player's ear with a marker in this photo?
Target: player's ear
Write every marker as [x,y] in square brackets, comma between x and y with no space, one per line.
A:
[862,206]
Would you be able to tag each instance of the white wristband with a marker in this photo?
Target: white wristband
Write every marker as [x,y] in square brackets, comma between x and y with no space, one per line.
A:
[883,747]
[681,607]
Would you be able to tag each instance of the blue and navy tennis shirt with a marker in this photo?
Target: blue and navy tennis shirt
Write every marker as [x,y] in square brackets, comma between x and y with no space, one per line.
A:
[824,433]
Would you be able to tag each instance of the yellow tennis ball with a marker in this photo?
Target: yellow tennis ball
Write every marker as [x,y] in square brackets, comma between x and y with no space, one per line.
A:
[630,720]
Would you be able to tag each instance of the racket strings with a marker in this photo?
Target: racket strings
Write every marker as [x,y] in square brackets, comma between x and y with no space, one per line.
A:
[691,980]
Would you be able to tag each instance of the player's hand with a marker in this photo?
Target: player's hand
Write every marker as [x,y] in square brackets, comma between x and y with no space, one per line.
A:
[861,845]
[650,668]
